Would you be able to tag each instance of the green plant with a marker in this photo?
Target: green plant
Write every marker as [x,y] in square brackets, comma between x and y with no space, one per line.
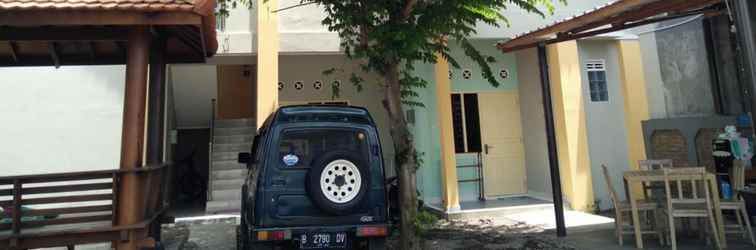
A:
[424,221]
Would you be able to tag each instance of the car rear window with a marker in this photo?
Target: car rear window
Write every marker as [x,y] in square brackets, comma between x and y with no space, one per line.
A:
[299,148]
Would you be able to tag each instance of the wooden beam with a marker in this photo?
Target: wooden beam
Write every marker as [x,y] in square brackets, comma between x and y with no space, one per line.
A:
[569,37]
[31,18]
[619,12]
[83,60]
[53,48]
[91,50]
[122,50]
[578,21]
[71,33]
[13,51]
[645,11]
[188,39]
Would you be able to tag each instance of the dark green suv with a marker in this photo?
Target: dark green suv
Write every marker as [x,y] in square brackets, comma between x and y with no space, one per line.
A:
[316,181]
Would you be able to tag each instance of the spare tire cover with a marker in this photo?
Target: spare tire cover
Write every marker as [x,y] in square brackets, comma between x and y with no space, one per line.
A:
[338,181]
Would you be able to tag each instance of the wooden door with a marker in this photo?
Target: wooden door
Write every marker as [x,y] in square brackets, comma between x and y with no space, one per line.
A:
[236,85]
[503,150]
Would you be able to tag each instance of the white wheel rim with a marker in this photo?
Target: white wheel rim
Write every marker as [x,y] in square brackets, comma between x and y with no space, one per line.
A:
[340,181]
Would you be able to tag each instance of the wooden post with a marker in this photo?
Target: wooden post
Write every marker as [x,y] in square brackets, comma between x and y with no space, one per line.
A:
[155,126]
[130,207]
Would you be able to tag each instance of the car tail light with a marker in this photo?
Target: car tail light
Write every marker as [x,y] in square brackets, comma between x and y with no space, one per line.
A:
[273,235]
[372,231]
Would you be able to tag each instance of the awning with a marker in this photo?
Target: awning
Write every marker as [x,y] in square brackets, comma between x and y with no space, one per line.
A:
[94,32]
[611,17]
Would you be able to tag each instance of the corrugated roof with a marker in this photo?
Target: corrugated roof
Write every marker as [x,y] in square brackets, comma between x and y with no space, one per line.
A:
[609,17]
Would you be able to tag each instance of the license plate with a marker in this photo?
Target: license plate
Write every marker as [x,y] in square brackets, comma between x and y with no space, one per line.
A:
[322,240]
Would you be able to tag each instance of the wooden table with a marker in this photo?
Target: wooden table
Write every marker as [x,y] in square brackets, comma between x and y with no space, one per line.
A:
[638,177]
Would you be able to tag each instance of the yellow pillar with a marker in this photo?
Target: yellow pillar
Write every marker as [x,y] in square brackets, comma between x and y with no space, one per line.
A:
[636,100]
[569,121]
[448,157]
[267,60]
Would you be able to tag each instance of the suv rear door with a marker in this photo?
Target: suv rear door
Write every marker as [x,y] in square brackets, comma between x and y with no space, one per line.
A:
[291,155]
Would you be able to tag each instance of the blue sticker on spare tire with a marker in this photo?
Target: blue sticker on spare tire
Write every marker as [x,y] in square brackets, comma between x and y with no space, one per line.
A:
[290,160]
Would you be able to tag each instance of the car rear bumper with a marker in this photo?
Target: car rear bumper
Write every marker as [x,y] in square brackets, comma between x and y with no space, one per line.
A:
[293,233]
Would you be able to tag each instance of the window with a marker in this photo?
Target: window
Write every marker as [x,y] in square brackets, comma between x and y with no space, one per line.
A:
[299,148]
[597,80]
[466,122]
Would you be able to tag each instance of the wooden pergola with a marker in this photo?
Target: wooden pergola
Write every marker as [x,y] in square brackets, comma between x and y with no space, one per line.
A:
[145,35]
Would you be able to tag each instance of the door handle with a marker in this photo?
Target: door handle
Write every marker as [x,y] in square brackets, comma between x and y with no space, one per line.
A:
[487,148]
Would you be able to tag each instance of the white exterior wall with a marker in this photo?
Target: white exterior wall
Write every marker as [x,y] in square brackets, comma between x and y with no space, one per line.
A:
[534,124]
[238,36]
[60,120]
[605,121]
[309,69]
[193,88]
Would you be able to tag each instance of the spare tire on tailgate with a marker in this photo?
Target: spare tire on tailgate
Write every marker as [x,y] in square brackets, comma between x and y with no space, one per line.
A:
[338,181]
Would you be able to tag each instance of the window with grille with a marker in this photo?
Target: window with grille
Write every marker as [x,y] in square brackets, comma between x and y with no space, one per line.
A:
[597,80]
[466,123]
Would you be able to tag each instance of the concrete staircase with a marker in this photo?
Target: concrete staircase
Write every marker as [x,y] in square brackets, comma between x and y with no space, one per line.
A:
[230,138]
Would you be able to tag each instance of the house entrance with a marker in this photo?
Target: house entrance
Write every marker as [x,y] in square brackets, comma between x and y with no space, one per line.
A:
[489,123]
[236,91]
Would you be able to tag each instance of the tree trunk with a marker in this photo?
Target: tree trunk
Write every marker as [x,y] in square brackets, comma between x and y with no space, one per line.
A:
[405,158]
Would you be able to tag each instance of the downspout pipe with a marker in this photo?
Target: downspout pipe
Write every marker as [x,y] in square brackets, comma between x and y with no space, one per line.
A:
[548,111]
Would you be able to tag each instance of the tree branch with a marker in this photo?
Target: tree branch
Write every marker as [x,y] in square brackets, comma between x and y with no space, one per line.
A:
[294,6]
[408,7]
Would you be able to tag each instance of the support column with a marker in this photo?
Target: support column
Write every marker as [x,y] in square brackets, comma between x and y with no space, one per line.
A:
[569,121]
[548,114]
[266,92]
[155,128]
[448,157]
[130,196]
[636,101]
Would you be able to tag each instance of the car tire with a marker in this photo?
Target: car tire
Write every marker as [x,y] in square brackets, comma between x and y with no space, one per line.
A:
[241,241]
[377,243]
[338,181]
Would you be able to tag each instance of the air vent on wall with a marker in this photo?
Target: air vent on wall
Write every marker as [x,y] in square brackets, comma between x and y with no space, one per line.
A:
[595,65]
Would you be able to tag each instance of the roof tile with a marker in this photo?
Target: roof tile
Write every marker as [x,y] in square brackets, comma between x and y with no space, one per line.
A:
[127,5]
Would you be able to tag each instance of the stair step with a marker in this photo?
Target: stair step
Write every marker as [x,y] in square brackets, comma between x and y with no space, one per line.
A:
[227,184]
[235,147]
[225,156]
[234,123]
[229,174]
[219,207]
[234,139]
[234,131]
[227,194]
[227,165]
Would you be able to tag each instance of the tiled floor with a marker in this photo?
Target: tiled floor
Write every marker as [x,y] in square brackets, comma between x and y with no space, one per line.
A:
[502,202]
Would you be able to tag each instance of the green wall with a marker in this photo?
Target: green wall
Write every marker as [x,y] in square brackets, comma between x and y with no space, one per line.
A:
[425,128]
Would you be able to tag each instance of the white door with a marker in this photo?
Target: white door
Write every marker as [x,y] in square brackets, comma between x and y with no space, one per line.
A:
[503,150]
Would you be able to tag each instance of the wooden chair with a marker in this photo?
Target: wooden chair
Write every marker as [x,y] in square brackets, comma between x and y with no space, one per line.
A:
[646,165]
[622,213]
[691,204]
[737,205]
[655,164]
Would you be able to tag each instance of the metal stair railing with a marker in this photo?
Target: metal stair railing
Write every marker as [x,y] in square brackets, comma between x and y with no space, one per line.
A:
[479,168]
[210,150]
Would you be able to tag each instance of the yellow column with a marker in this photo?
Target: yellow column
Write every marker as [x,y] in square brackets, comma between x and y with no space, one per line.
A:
[448,157]
[267,60]
[569,121]
[636,100]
